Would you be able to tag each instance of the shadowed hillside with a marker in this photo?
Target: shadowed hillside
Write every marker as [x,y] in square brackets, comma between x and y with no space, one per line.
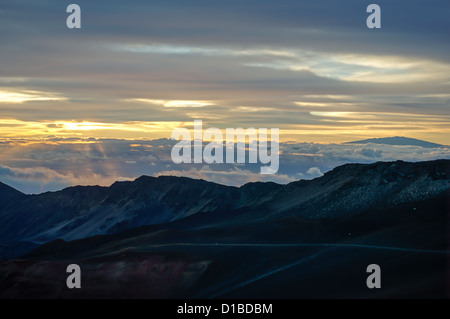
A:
[178,237]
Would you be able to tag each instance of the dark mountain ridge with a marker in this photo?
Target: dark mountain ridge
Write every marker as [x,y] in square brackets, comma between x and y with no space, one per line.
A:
[83,211]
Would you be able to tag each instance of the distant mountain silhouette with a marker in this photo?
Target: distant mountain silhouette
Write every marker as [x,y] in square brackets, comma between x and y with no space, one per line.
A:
[180,237]
[397,140]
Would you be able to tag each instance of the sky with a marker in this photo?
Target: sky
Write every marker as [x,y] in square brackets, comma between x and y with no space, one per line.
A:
[75,103]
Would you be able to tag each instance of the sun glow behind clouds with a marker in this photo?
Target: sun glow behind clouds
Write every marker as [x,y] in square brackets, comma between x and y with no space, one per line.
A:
[173,103]
[12,128]
[7,96]
[319,126]
[355,115]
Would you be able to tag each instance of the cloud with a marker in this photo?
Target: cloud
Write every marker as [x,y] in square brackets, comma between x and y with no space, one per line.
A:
[174,103]
[372,153]
[36,180]
[25,96]
[314,172]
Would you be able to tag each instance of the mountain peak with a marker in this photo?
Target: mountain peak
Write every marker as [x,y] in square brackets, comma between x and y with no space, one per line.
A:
[397,140]
[8,195]
[6,190]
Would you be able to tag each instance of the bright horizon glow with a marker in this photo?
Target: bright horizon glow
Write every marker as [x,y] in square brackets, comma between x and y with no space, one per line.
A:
[342,127]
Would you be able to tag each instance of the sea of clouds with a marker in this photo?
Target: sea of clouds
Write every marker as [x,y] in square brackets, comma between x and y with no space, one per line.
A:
[58,163]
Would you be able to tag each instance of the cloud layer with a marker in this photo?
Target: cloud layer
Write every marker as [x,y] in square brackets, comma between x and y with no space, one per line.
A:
[34,167]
